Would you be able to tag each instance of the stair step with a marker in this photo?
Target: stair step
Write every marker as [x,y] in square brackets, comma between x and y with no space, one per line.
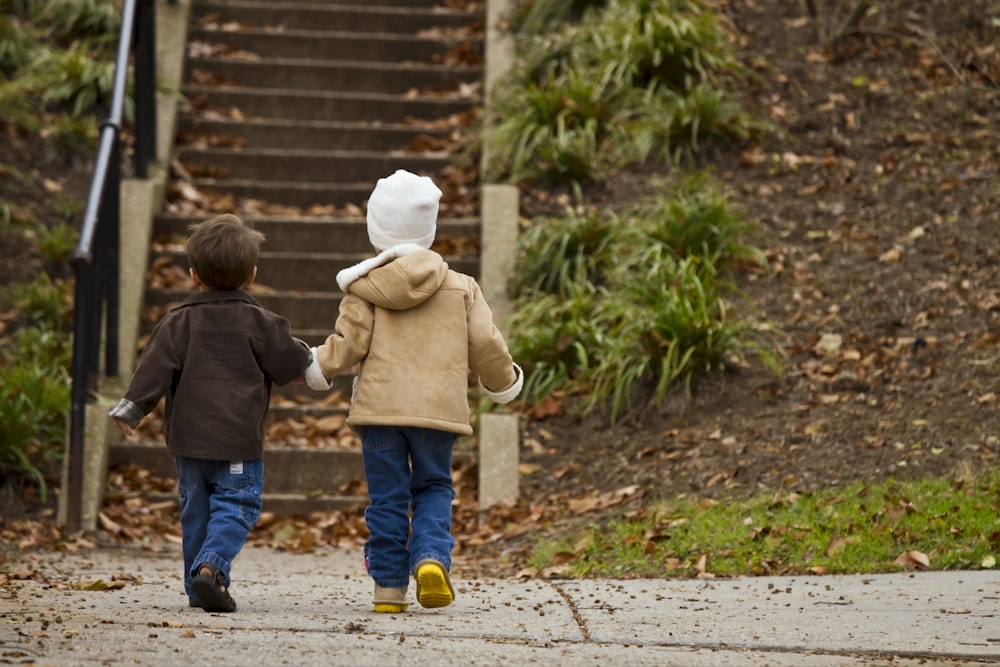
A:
[280,411]
[329,16]
[285,504]
[345,3]
[339,45]
[304,165]
[303,310]
[288,193]
[310,272]
[289,504]
[289,104]
[347,235]
[342,384]
[287,469]
[359,77]
[293,134]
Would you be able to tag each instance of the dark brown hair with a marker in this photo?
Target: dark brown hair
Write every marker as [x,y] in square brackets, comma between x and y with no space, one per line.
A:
[223,251]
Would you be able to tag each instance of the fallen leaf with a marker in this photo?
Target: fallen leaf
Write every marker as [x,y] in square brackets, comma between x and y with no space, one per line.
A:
[913,560]
[98,585]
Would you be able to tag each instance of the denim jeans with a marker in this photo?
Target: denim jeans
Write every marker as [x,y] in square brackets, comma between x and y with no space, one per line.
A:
[407,468]
[220,503]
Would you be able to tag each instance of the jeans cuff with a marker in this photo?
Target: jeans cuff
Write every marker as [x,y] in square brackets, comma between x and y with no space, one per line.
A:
[392,583]
[214,559]
[445,561]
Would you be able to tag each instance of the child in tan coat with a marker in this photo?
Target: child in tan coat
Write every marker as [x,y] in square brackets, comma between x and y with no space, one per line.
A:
[417,328]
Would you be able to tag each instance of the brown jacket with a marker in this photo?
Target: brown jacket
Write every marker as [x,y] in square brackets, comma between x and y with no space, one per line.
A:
[214,357]
[417,328]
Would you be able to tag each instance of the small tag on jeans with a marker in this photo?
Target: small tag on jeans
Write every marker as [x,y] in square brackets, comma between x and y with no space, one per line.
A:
[236,468]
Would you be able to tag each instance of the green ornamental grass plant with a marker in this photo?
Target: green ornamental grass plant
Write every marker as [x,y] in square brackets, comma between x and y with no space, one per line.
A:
[67,21]
[627,82]
[57,62]
[34,403]
[624,308]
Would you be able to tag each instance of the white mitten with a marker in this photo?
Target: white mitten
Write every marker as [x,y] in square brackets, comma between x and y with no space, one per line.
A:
[314,375]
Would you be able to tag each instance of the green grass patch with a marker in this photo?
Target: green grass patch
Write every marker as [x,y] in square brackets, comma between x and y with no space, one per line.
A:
[938,524]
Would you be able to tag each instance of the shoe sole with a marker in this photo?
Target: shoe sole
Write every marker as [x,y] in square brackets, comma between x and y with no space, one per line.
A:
[433,588]
[390,608]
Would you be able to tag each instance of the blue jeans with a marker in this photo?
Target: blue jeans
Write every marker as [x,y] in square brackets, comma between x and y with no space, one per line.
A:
[220,503]
[407,468]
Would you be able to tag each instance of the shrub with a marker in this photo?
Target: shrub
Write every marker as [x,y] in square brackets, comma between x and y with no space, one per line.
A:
[630,81]
[67,21]
[34,402]
[57,244]
[43,303]
[35,382]
[71,80]
[556,255]
[632,305]
[57,66]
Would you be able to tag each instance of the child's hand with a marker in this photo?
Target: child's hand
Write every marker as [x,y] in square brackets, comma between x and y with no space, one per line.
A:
[125,428]
[314,375]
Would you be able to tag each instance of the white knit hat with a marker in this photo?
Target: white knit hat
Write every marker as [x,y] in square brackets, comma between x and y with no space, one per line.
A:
[403,208]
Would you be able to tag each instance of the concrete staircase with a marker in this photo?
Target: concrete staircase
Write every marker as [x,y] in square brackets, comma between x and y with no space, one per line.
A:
[294,110]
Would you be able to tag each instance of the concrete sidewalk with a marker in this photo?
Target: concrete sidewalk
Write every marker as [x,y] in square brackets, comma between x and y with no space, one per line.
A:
[315,609]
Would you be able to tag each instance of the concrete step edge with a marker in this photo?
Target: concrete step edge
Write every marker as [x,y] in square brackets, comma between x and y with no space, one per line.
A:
[330,153]
[341,3]
[442,224]
[195,90]
[460,71]
[199,34]
[286,504]
[306,256]
[286,123]
[429,9]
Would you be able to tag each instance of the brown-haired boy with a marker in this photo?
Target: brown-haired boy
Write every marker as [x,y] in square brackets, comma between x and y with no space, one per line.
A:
[215,357]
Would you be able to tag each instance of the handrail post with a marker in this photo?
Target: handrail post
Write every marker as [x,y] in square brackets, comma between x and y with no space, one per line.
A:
[145,86]
[109,267]
[83,269]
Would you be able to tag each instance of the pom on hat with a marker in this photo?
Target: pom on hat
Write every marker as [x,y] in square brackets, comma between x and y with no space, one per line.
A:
[403,208]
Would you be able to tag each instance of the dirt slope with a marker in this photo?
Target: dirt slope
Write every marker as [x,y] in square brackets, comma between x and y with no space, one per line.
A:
[879,207]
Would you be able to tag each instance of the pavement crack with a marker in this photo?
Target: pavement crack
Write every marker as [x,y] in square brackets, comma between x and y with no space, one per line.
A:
[577,616]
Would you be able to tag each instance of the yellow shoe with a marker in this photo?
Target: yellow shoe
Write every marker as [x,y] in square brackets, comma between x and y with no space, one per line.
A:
[390,600]
[433,586]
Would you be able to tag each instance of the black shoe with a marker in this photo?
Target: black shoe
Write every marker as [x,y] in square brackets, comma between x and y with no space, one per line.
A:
[211,590]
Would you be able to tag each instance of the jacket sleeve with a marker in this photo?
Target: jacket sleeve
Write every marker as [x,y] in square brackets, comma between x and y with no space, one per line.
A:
[346,346]
[284,357]
[488,356]
[155,371]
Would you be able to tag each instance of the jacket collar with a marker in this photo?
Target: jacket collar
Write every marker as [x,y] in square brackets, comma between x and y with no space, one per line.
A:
[360,270]
[217,296]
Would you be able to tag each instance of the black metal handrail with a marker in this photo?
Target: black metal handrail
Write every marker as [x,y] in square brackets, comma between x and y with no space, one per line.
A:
[95,260]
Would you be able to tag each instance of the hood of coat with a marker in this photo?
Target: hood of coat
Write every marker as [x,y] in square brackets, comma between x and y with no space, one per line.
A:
[399,278]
